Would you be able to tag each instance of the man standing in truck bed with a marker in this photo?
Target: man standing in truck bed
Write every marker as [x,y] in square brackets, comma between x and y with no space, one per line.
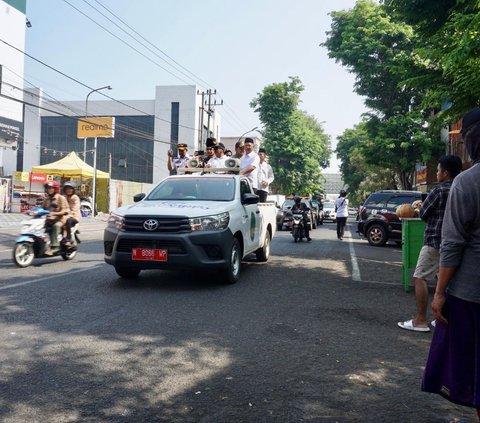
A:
[249,164]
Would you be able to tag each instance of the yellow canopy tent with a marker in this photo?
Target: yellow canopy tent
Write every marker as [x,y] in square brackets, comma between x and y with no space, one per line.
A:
[70,166]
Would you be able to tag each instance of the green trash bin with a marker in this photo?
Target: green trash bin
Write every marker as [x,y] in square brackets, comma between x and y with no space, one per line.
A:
[412,242]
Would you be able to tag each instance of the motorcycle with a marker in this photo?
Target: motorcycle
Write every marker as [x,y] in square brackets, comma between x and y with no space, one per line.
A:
[298,229]
[34,240]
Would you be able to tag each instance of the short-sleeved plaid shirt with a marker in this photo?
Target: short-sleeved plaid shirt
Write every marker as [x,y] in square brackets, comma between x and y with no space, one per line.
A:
[432,211]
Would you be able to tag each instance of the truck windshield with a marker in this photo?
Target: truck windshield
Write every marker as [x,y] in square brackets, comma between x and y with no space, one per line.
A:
[192,189]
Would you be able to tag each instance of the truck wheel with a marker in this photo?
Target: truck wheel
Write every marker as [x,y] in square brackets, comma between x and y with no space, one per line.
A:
[232,273]
[127,272]
[376,235]
[264,253]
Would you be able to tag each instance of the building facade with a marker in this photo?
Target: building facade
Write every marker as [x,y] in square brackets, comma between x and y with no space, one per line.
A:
[144,131]
[12,31]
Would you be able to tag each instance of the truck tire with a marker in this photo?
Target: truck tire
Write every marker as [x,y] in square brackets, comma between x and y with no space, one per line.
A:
[264,253]
[127,272]
[376,235]
[232,273]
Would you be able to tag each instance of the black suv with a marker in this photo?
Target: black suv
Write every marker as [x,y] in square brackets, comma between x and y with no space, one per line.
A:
[377,220]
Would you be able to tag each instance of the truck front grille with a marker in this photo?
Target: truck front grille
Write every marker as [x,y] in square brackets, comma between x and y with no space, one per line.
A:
[164,224]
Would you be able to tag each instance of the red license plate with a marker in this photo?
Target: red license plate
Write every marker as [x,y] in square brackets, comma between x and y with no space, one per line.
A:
[149,254]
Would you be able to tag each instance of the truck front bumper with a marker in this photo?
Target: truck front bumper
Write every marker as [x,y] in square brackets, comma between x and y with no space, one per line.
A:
[202,249]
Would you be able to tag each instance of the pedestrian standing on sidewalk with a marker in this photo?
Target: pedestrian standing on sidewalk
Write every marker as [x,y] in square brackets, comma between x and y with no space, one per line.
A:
[341,208]
[432,212]
[452,368]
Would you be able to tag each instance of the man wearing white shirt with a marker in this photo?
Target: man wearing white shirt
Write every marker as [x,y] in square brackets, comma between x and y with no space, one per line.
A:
[265,176]
[249,164]
[218,161]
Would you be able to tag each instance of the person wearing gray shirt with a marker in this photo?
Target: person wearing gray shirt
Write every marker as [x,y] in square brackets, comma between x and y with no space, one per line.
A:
[452,368]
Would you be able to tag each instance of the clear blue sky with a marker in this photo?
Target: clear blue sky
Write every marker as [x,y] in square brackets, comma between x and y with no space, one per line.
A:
[238,47]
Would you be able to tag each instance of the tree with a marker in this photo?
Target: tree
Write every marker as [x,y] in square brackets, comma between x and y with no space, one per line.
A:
[296,143]
[448,47]
[361,177]
[379,51]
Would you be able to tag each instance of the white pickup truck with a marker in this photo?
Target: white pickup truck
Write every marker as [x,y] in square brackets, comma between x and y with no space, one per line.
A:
[210,221]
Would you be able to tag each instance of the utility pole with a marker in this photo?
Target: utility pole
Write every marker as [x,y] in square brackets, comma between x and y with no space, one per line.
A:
[202,112]
[210,110]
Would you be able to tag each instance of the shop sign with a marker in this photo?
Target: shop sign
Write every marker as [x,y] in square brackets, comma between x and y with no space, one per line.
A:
[38,177]
[22,176]
[421,174]
[103,127]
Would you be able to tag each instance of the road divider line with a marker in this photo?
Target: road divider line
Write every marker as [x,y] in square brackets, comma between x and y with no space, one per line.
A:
[65,275]
[355,269]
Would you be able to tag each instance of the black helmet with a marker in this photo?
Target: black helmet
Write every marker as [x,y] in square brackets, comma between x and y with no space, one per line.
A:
[69,184]
[297,199]
[343,193]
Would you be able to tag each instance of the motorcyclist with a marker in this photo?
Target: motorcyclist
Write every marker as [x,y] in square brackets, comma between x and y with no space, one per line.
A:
[74,214]
[299,207]
[58,207]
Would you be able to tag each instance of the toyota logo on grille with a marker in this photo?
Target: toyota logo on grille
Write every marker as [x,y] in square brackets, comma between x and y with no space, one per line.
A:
[150,224]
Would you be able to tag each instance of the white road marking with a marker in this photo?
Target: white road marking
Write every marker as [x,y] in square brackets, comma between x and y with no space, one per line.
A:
[355,269]
[64,275]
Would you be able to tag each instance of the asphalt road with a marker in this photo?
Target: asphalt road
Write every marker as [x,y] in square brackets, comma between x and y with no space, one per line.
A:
[309,336]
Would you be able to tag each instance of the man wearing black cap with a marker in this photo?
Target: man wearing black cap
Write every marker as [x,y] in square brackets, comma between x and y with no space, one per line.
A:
[265,176]
[452,365]
[180,161]
[209,152]
[219,160]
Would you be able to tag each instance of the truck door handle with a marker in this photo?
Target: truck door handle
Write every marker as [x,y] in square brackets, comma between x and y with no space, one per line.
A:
[245,216]
[258,212]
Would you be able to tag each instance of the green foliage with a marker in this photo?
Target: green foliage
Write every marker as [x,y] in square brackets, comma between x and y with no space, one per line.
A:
[362,176]
[449,50]
[380,52]
[296,143]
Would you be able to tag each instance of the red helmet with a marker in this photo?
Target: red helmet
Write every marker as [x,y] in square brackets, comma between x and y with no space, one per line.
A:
[53,184]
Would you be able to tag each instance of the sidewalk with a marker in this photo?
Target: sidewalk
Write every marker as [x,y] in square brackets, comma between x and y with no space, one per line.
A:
[11,220]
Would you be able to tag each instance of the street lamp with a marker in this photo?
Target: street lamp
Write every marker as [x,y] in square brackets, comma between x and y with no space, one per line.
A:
[106,87]
[245,133]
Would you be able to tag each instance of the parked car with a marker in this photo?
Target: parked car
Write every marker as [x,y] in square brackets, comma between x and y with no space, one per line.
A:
[283,218]
[329,212]
[377,220]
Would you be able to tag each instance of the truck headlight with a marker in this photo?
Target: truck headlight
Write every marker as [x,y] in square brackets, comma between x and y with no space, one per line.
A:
[116,221]
[216,222]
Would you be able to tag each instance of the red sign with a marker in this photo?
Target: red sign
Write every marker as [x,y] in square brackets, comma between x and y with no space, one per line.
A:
[38,177]
[149,254]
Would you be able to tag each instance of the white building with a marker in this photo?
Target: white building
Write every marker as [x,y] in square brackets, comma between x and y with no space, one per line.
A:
[144,131]
[12,31]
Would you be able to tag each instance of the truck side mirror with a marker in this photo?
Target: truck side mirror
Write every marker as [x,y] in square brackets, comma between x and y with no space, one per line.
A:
[139,197]
[250,199]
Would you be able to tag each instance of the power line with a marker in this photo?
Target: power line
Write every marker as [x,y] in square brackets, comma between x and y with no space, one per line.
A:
[125,42]
[196,78]
[206,84]
[90,88]
[136,39]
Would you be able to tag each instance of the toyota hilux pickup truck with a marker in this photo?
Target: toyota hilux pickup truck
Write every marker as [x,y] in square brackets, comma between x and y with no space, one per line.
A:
[207,221]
